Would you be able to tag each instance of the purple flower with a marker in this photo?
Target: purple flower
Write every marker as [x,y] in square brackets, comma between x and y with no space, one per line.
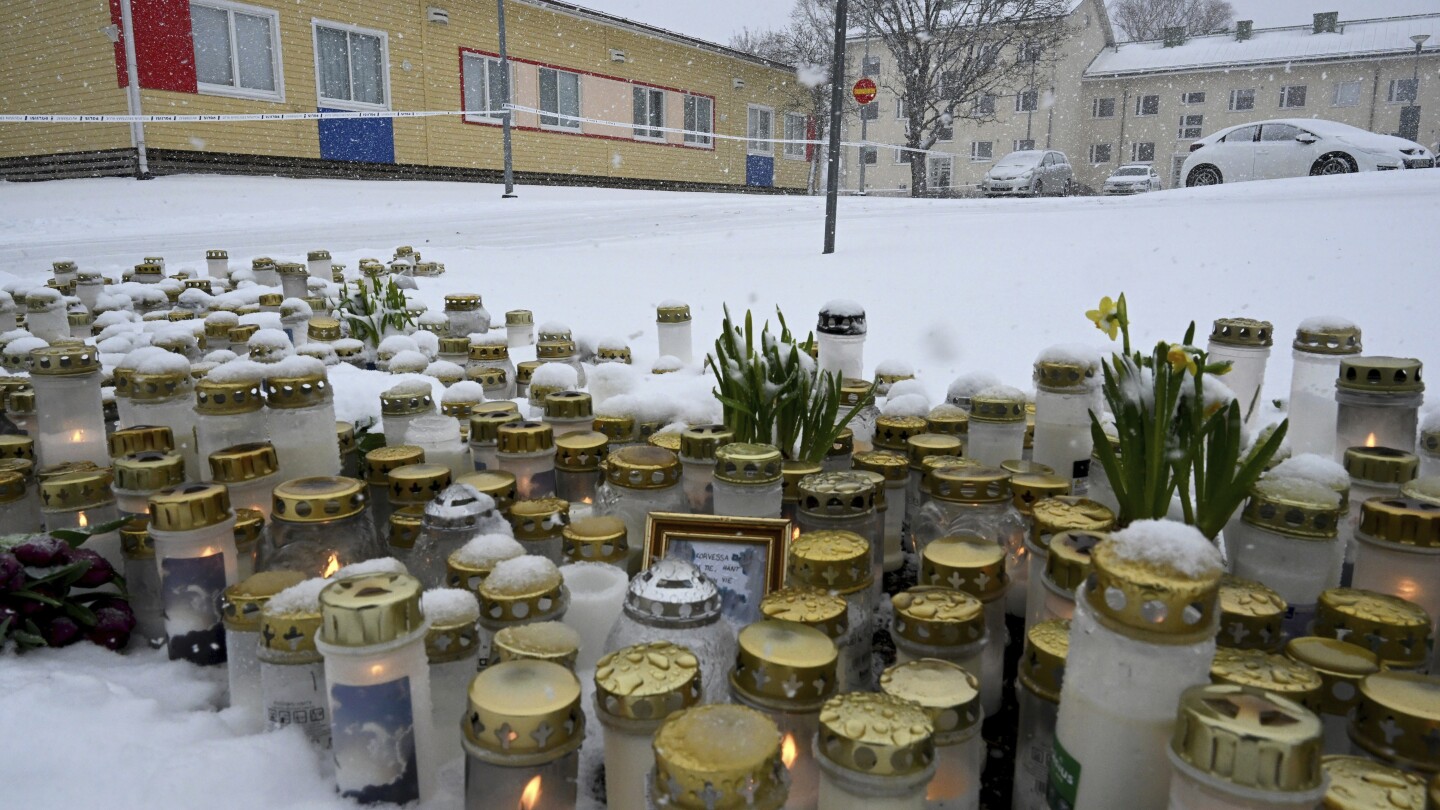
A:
[12,573]
[101,571]
[42,552]
[61,631]
[114,623]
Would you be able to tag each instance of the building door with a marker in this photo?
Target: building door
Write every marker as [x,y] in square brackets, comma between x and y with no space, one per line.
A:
[1410,123]
[760,148]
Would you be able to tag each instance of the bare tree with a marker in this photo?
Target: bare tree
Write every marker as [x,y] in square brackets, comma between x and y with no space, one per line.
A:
[954,58]
[1148,19]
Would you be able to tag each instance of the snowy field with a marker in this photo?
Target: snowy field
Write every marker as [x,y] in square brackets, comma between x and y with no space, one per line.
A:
[950,286]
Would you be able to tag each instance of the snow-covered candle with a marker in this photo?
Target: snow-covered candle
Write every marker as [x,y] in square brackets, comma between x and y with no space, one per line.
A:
[292,671]
[447,522]
[1245,343]
[636,689]
[950,698]
[841,336]
[489,351]
[469,565]
[193,530]
[997,426]
[1320,345]
[673,325]
[975,566]
[228,412]
[452,647]
[1378,401]
[439,437]
[301,419]
[250,471]
[720,756]
[400,405]
[466,314]
[523,590]
[1287,539]
[161,393]
[70,419]
[242,606]
[875,752]
[597,596]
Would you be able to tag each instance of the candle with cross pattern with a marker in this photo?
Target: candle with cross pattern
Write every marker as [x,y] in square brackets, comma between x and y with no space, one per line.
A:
[1396,630]
[522,735]
[292,671]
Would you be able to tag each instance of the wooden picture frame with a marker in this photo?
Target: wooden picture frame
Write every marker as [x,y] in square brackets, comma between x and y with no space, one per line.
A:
[745,557]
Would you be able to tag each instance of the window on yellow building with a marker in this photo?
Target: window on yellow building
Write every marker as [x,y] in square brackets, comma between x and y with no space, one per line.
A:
[560,97]
[649,109]
[759,126]
[795,131]
[699,120]
[351,65]
[237,51]
[484,95]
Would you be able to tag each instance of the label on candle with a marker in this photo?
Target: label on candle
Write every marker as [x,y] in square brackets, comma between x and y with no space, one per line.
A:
[295,696]
[374,742]
[190,593]
[1064,779]
[1080,477]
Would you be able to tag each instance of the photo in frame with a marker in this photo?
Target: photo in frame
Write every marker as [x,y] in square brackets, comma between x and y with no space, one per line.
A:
[745,557]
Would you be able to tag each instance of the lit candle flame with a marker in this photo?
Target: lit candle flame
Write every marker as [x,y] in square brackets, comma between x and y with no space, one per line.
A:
[531,795]
[1407,589]
[1370,440]
[787,750]
[331,566]
[83,521]
[77,436]
[795,533]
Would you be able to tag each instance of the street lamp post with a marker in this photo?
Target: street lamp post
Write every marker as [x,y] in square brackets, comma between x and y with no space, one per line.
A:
[1414,111]
[506,115]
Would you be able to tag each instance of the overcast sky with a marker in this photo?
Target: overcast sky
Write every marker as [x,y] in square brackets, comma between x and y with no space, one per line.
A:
[714,21]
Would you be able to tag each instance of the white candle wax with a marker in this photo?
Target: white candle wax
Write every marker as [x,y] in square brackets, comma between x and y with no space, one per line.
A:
[294,695]
[797,752]
[992,443]
[597,595]
[629,759]
[243,670]
[956,784]
[449,685]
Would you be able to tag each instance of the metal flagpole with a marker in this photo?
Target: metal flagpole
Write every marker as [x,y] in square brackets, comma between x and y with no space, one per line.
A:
[505,93]
[132,91]
[864,114]
[837,79]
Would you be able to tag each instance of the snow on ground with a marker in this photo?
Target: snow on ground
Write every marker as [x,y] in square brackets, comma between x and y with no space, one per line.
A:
[950,287]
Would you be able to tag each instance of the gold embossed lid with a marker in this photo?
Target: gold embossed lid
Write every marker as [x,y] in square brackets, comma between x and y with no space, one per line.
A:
[1027,489]
[13,486]
[500,485]
[539,518]
[893,432]
[1068,564]
[598,539]
[581,452]
[1249,738]
[313,500]
[946,692]
[719,757]
[64,361]
[665,441]
[643,467]
[189,507]
[672,312]
[149,471]
[485,427]
[1064,375]
[406,523]
[524,371]
[747,464]
[323,328]
[837,495]
[1251,615]
[380,461]
[997,405]
[1271,672]
[249,523]
[938,617]
[462,302]
[1069,513]
[406,400]
[287,393]
[554,349]
[878,735]
[784,666]
[370,609]
[1398,720]
[699,442]
[1294,507]
[524,713]
[836,561]
[244,600]
[647,682]
[969,485]
[1341,667]
[1243,332]
[536,588]
[489,352]
[792,472]
[159,387]
[568,405]
[920,446]
[135,540]
[1361,783]
[525,437]
[1042,666]
[555,642]
[228,398]
[1333,339]
[417,483]
[80,489]
[948,420]
[453,635]
[1404,523]
[1152,600]
[14,446]
[519,317]
[891,466]
[810,606]
[1381,375]
[244,462]
[1395,629]
[965,562]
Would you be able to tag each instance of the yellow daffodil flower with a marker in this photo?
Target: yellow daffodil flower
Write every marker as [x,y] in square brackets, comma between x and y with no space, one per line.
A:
[1107,317]
[1181,360]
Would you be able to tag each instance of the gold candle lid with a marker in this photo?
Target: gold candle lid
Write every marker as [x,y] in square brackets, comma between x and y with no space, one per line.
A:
[1270,672]
[969,485]
[370,609]
[555,642]
[1337,338]
[312,500]
[285,393]
[524,713]
[489,352]
[719,757]
[568,405]
[642,467]
[920,446]
[462,302]
[485,427]
[407,399]
[157,387]
[1249,738]
[836,561]
[149,471]
[1404,522]
[417,483]
[947,420]
[525,437]
[270,299]
[946,692]
[242,333]
[345,437]
[406,522]
[965,562]
[700,442]
[792,472]
[1022,467]
[135,540]
[1251,615]
[1242,332]
[665,441]
[1395,629]
[993,405]
[1068,564]
[877,735]
[519,317]
[227,398]
[497,406]
[454,639]
[244,462]
[524,371]
[539,518]
[21,403]
[672,312]
[323,328]
[1294,507]
[14,446]
[554,349]
[613,354]
[853,390]
[498,484]
[1398,720]
[1384,465]
[1042,666]
[244,600]
[249,523]
[455,345]
[1361,783]
[1063,375]
[647,682]
[1385,375]
[893,467]
[380,461]
[581,452]
[64,361]
[747,464]
[80,489]
[13,486]
[469,565]
[1069,513]
[894,432]
[810,606]
[599,539]
[1341,667]
[1153,601]
[784,666]
[1026,490]
[938,617]
[837,494]
[535,588]
[189,507]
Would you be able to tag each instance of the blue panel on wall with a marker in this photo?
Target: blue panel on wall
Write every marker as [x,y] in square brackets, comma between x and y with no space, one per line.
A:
[759,170]
[362,140]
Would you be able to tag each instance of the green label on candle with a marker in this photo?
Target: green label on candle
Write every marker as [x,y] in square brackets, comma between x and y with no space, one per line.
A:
[1064,779]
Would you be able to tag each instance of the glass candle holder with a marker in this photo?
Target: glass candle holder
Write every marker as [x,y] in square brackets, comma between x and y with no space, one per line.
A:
[597,595]
[538,525]
[19,501]
[193,530]
[1245,343]
[943,623]
[266,274]
[876,752]
[227,414]
[439,437]
[1251,616]
[523,590]
[1143,632]
[466,315]
[70,421]
[1064,396]
[844,502]
[1341,666]
[487,353]
[673,324]
[167,399]
[301,424]
[519,328]
[747,480]
[997,426]
[698,445]
[1398,552]
[485,436]
[1396,719]
[973,500]
[241,609]
[249,529]
[640,480]
[349,450]
[416,484]
[467,567]
[837,562]
[597,539]
[1041,675]
[1287,539]
[817,608]
[494,382]
[452,647]
[840,335]
[1359,783]
[568,412]
[1050,517]
[534,761]
[379,463]
[1378,402]
[250,472]
[562,351]
[720,756]
[292,671]
[456,350]
[788,671]
[894,469]
[318,525]
[81,500]
[577,466]
[527,451]
[636,689]
[975,566]
[45,316]
[400,405]
[373,640]
[1067,568]
[449,521]
[140,475]
[1223,735]
[1320,346]
[950,699]
[142,583]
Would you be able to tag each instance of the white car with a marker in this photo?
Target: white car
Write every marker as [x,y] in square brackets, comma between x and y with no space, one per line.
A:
[1031,173]
[1133,178]
[1296,147]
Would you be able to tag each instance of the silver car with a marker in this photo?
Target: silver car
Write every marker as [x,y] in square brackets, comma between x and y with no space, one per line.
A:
[1133,178]
[1029,173]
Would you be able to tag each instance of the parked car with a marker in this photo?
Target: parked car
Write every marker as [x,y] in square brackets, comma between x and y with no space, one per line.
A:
[1031,172]
[1133,178]
[1295,147]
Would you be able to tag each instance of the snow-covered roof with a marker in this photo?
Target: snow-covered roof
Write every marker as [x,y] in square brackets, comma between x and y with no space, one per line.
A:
[1353,40]
[1282,13]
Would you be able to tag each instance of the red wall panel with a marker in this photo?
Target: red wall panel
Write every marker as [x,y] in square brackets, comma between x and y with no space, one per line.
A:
[164,52]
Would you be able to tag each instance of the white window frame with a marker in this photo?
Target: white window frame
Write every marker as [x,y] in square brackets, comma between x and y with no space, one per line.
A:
[278,66]
[984,100]
[315,25]
[1235,96]
[1021,144]
[1140,105]
[1095,107]
[760,146]
[795,151]
[636,128]
[489,62]
[1392,97]
[1285,93]
[866,63]
[874,152]
[1185,124]
[561,124]
[706,141]
[900,157]
[1187,98]
[1135,152]
[1094,153]
[899,108]
[976,157]
[1020,99]
[1359,86]
[933,161]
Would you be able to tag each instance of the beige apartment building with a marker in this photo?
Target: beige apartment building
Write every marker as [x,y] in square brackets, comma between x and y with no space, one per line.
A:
[1106,102]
